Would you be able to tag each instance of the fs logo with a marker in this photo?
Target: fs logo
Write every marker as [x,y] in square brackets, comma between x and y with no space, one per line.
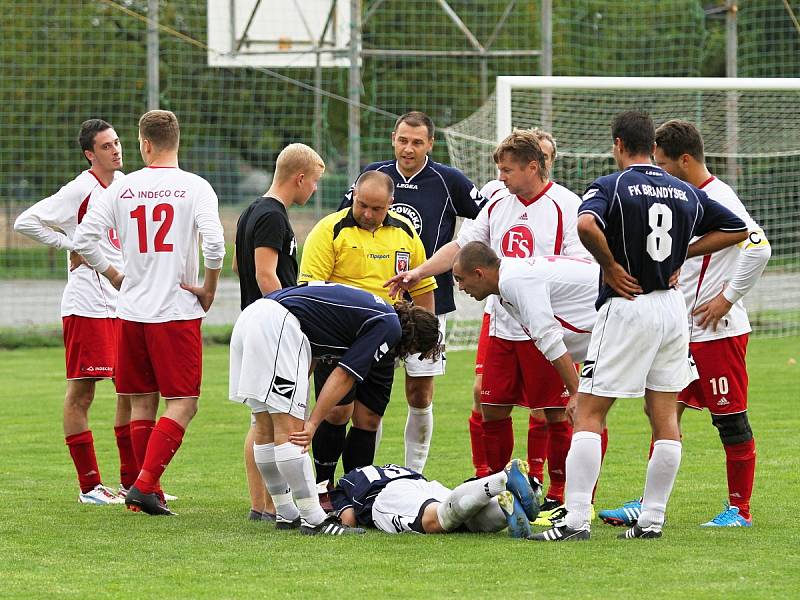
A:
[518,242]
[113,239]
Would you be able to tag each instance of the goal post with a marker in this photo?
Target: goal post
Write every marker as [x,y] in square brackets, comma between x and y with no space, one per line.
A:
[750,129]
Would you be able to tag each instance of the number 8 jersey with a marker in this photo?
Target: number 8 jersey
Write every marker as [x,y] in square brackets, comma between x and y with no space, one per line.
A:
[158,214]
[649,217]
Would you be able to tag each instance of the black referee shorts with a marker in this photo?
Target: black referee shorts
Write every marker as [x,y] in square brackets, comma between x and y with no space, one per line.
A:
[374,392]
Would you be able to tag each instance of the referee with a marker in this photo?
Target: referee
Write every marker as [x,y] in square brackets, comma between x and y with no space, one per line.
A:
[362,246]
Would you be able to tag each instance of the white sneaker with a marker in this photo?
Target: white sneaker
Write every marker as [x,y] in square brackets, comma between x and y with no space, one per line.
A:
[123,491]
[100,495]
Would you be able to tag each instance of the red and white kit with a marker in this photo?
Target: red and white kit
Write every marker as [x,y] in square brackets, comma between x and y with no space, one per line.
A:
[720,354]
[522,228]
[158,214]
[553,298]
[89,301]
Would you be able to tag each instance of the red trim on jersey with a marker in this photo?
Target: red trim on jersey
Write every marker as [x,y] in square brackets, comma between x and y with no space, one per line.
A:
[559,230]
[498,190]
[529,201]
[706,182]
[703,269]
[490,208]
[102,185]
[83,207]
[569,326]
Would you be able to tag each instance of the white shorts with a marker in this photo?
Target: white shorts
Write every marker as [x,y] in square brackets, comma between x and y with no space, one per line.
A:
[417,367]
[269,360]
[638,344]
[398,507]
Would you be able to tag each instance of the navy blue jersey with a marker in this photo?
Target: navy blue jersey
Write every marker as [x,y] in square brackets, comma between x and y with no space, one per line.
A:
[358,488]
[431,199]
[342,322]
[649,217]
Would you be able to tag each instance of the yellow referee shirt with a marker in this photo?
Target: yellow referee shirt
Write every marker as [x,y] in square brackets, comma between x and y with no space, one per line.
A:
[338,250]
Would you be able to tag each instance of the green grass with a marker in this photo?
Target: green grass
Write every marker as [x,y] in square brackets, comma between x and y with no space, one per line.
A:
[51,546]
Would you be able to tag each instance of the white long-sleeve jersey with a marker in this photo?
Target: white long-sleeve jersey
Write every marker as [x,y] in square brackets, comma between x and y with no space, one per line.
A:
[519,228]
[158,214]
[86,294]
[735,270]
[552,298]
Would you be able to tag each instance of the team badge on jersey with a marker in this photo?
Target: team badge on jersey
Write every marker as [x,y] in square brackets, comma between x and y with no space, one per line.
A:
[401,261]
[518,242]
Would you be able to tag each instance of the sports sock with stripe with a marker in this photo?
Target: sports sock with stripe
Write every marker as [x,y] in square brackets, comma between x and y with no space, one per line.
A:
[476,443]
[128,469]
[295,467]
[166,438]
[740,462]
[498,440]
[537,446]
[661,472]
[559,440]
[81,449]
[418,433]
[583,469]
[276,483]
[327,447]
[468,499]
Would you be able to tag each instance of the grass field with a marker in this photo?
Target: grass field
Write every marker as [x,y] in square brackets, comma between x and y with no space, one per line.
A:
[53,547]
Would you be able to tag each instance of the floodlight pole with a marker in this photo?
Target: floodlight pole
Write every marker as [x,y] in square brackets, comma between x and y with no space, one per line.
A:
[547,63]
[732,112]
[354,93]
[152,55]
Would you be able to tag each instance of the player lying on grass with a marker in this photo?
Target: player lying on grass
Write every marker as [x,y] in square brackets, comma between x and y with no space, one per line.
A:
[276,343]
[396,499]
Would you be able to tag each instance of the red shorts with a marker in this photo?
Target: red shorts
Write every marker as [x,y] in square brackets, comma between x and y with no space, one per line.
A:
[722,386]
[160,357]
[483,342]
[515,373]
[91,347]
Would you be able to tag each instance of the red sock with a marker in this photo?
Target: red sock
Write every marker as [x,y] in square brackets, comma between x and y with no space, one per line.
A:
[476,441]
[81,449]
[537,446]
[603,448]
[650,454]
[560,439]
[498,440]
[140,435]
[164,443]
[741,466]
[127,459]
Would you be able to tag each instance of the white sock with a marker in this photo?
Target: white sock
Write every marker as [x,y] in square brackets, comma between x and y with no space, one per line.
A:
[295,466]
[661,472]
[583,469]
[468,499]
[419,430]
[277,486]
[489,519]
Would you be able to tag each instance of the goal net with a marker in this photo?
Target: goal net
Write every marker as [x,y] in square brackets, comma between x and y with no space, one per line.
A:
[750,129]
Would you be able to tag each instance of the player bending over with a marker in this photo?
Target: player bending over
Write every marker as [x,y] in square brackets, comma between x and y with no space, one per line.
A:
[274,347]
[395,499]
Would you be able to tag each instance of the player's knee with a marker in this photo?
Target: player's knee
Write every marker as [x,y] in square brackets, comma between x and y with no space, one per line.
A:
[733,429]
[79,399]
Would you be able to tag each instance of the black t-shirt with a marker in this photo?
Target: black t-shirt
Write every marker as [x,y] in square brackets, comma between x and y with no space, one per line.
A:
[264,224]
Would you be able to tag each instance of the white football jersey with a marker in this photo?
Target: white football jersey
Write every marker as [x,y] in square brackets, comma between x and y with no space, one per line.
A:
[516,228]
[87,294]
[552,298]
[158,214]
[703,277]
